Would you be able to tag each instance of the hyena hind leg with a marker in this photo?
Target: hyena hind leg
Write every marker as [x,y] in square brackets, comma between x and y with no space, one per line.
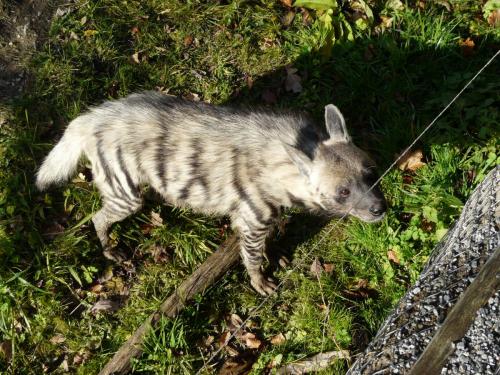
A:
[113,211]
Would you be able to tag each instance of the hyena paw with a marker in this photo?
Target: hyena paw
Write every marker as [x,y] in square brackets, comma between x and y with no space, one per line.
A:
[115,255]
[263,285]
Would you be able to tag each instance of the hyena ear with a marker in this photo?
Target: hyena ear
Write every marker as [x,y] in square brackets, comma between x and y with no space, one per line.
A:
[301,160]
[335,124]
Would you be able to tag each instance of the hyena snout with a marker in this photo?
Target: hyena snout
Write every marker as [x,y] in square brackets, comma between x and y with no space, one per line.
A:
[378,209]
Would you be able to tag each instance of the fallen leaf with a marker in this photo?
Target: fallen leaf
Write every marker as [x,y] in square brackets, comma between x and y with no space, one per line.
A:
[96,289]
[328,267]
[386,22]
[278,339]
[159,254]
[293,80]
[235,322]
[251,341]
[64,365]
[236,366]
[316,268]
[57,339]
[155,219]
[192,97]
[267,43]
[135,58]
[306,17]
[467,47]
[188,40]
[224,338]
[287,3]
[393,257]
[6,350]
[83,20]
[105,305]
[411,161]
[134,30]
[208,341]
[494,18]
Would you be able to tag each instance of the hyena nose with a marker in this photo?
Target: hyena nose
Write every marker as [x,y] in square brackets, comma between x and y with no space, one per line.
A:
[377,210]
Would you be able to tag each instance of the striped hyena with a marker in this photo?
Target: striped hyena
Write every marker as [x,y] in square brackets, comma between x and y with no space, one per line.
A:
[248,164]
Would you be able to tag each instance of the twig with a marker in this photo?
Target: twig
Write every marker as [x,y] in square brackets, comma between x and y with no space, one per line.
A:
[210,271]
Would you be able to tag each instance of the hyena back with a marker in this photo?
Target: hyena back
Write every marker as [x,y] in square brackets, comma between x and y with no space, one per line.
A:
[216,160]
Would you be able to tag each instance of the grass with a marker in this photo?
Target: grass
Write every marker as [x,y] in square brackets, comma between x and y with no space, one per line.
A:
[389,82]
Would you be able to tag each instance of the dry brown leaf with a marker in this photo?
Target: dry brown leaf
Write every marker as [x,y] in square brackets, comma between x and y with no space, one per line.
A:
[156,219]
[293,80]
[6,350]
[134,30]
[192,97]
[328,267]
[278,339]
[393,257]
[188,40]
[250,340]
[494,18]
[224,338]
[287,3]
[135,58]
[208,341]
[235,322]
[411,161]
[159,254]
[236,366]
[97,288]
[57,339]
[386,22]
[467,47]
[316,268]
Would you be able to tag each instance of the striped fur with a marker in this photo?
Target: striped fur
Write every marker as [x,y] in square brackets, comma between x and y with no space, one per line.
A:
[247,164]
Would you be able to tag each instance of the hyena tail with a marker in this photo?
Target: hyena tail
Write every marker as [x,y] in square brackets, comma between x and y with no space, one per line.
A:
[61,163]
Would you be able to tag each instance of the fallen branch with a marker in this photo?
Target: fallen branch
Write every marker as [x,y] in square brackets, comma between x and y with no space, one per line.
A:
[210,271]
[315,363]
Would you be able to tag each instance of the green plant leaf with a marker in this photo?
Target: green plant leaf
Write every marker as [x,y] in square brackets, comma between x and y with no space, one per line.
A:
[316,4]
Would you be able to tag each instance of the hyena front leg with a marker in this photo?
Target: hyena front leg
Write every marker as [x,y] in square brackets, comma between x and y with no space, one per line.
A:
[252,244]
[114,209]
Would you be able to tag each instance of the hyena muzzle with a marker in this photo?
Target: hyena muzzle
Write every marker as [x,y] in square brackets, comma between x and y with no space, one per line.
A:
[247,164]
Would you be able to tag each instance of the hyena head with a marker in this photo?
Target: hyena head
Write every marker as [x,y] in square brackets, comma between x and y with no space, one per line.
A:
[340,175]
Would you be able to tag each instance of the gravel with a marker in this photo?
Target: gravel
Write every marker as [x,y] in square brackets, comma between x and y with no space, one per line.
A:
[454,264]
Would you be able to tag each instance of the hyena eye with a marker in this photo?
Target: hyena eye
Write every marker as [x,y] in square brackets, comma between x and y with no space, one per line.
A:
[345,192]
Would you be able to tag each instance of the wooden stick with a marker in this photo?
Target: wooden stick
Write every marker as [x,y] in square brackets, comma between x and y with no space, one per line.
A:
[461,316]
[210,271]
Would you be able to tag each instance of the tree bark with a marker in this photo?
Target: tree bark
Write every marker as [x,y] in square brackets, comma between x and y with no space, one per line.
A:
[210,271]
